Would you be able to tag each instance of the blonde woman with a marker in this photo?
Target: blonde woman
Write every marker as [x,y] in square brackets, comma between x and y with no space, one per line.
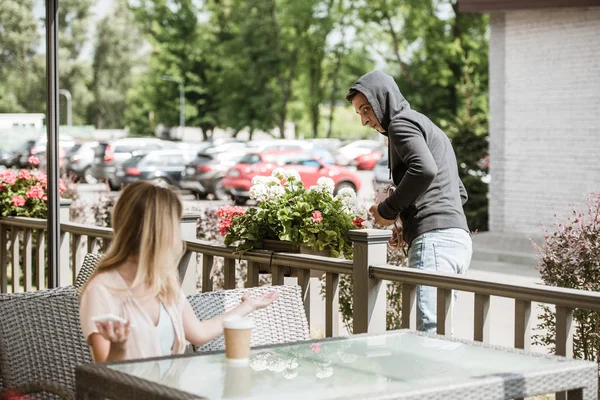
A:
[137,280]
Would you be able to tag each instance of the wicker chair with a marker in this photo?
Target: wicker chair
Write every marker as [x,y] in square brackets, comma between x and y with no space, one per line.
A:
[41,343]
[90,261]
[284,321]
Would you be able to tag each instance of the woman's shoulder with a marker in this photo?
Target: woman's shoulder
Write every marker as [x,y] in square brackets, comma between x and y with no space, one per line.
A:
[104,281]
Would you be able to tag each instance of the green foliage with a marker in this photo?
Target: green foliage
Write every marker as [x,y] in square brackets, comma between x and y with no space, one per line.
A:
[116,55]
[570,257]
[305,217]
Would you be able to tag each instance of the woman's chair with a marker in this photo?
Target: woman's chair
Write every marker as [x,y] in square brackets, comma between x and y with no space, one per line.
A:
[41,342]
[284,321]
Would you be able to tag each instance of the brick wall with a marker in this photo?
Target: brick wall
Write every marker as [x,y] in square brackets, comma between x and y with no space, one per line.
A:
[544,114]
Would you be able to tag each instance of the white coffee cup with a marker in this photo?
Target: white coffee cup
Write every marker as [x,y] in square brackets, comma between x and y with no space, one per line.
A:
[238,333]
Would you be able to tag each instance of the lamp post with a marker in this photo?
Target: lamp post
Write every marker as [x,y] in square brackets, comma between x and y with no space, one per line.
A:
[181,98]
[67,95]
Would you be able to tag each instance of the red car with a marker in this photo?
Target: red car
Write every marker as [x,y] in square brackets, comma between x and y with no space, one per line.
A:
[238,180]
[367,161]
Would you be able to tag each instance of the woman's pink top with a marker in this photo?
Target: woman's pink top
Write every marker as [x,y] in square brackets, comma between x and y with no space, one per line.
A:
[108,293]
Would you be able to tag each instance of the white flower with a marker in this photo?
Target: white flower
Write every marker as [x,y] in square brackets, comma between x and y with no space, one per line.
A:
[291,174]
[326,184]
[367,225]
[275,192]
[314,188]
[346,192]
[272,180]
[258,192]
[258,180]
[278,173]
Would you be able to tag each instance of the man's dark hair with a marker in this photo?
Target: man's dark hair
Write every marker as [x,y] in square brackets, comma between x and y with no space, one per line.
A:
[351,94]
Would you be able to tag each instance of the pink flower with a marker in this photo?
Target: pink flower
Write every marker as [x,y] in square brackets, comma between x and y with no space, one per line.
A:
[316,347]
[18,201]
[24,174]
[226,214]
[33,160]
[317,216]
[8,177]
[36,192]
[41,178]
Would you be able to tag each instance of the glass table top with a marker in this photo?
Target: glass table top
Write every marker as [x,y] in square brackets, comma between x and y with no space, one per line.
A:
[394,362]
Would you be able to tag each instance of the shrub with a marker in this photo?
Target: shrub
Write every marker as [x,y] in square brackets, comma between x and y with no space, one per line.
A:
[24,193]
[570,258]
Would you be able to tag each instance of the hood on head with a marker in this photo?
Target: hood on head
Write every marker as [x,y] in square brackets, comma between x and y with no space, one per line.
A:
[383,95]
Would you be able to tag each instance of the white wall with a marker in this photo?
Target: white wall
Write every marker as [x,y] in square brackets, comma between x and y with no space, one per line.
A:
[544,114]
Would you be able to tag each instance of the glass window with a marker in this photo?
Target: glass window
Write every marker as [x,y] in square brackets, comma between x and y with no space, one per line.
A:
[250,159]
[176,160]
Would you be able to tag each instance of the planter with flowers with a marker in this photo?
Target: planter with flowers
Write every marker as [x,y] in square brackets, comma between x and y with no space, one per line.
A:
[24,193]
[311,219]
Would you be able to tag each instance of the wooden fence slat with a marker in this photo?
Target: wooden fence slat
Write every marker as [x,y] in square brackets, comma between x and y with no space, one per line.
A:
[523,324]
[92,244]
[16,270]
[277,276]
[332,304]
[409,306]
[252,274]
[444,311]
[229,273]
[564,338]
[481,326]
[207,265]
[75,255]
[40,256]
[27,255]
[3,259]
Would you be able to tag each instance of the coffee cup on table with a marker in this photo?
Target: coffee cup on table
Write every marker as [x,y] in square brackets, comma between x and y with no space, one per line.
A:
[238,332]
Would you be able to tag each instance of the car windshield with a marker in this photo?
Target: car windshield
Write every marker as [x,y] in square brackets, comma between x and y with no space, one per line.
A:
[250,159]
[134,160]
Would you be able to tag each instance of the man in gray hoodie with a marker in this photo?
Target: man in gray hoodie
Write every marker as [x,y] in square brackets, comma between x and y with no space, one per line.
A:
[429,194]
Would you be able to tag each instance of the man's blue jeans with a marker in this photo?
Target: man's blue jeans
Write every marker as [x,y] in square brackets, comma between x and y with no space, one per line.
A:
[442,250]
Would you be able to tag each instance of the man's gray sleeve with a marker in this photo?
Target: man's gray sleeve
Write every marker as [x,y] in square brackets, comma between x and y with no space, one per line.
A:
[410,145]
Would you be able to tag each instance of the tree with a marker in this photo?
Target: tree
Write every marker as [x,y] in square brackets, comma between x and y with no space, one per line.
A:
[18,36]
[181,49]
[115,57]
[74,22]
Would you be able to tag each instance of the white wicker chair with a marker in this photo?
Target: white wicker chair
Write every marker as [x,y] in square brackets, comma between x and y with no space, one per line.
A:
[284,321]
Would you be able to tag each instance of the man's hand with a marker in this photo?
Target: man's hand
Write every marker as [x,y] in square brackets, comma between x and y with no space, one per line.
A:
[379,220]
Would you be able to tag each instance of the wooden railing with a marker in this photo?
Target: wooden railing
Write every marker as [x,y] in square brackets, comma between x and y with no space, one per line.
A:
[368,269]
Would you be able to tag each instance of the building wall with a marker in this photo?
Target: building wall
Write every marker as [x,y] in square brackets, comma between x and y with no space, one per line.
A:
[544,114]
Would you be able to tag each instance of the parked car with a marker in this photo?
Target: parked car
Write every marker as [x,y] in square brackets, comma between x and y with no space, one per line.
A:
[204,174]
[12,157]
[367,161]
[109,156]
[239,178]
[79,160]
[162,166]
[346,154]
[65,143]
[381,172]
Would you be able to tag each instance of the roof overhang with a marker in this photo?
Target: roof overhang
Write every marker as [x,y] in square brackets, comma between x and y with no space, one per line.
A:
[481,6]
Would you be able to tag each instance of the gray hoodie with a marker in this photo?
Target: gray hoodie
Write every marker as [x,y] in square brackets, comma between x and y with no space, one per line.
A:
[429,194]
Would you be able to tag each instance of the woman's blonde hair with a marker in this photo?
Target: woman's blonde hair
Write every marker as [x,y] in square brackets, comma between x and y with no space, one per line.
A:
[146,224]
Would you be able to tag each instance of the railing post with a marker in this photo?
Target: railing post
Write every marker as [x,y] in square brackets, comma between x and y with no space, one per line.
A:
[368,297]
[564,338]
[523,323]
[65,275]
[188,270]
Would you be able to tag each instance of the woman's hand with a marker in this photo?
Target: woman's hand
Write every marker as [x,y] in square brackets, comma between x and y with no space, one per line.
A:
[115,332]
[261,301]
